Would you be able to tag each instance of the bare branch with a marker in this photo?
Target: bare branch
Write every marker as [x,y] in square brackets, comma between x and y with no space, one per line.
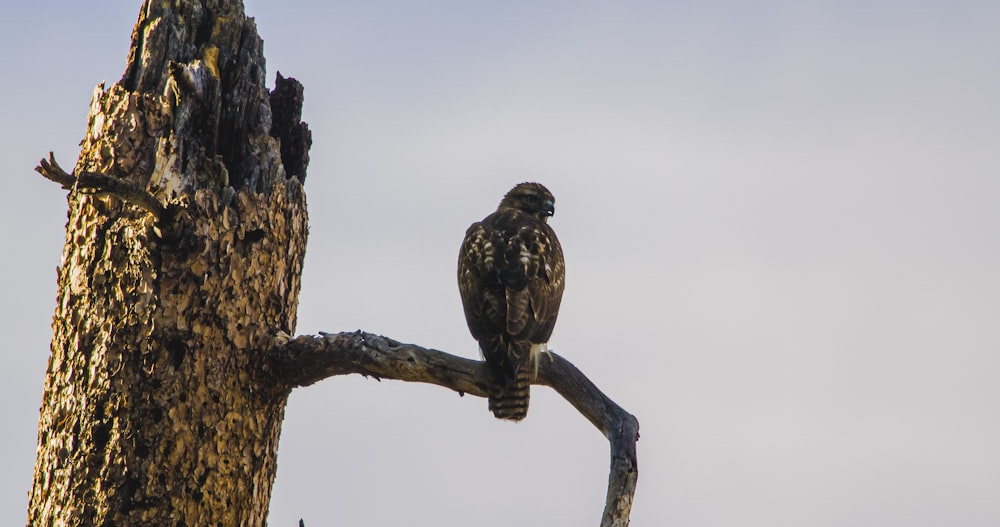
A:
[306,359]
[119,188]
[620,427]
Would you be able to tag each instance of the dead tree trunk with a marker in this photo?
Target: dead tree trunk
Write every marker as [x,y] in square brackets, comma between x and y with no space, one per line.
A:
[183,256]
[171,359]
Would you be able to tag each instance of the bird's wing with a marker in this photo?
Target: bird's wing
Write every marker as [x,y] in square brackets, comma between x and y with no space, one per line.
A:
[478,282]
[533,298]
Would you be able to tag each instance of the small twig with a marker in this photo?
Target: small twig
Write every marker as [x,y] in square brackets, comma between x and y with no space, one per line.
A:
[51,171]
[118,188]
[306,359]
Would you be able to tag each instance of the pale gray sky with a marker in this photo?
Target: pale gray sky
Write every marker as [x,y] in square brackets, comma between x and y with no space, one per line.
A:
[780,219]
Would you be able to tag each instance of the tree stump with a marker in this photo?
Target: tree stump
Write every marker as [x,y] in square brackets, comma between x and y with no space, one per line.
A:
[154,411]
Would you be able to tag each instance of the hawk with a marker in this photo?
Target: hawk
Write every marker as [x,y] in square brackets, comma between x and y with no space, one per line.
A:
[511,277]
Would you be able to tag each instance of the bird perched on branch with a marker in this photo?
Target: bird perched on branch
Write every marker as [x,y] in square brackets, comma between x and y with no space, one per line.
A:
[511,277]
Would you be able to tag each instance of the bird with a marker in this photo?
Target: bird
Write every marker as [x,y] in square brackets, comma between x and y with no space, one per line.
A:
[511,276]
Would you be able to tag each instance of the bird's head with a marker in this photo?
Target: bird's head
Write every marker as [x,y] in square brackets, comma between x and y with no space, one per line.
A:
[532,198]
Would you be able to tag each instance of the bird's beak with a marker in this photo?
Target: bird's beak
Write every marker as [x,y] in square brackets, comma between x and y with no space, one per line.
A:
[549,208]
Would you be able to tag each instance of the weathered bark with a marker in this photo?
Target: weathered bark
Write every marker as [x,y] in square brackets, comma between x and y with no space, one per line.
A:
[183,255]
[178,286]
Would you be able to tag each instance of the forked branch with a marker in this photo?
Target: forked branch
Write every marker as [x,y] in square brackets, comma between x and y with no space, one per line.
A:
[304,360]
[119,188]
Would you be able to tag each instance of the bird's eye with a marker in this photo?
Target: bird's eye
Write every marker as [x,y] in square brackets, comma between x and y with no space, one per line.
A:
[531,198]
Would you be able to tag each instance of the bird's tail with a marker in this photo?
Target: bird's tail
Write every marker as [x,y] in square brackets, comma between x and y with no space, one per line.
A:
[508,397]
